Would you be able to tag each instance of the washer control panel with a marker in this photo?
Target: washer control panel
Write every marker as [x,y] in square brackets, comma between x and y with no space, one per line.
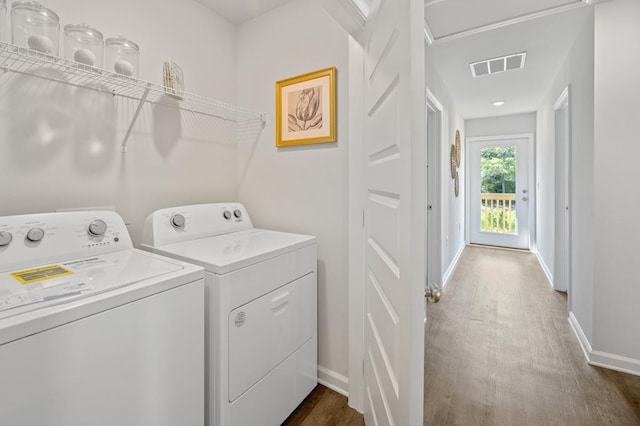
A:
[97,228]
[184,223]
[40,238]
[35,235]
[178,221]
[235,215]
[5,238]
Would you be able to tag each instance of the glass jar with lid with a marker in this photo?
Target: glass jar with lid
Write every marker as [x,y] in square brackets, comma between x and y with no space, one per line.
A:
[122,56]
[84,44]
[34,26]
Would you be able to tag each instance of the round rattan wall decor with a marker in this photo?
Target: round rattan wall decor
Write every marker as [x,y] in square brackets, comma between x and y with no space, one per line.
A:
[458,148]
[452,161]
[456,185]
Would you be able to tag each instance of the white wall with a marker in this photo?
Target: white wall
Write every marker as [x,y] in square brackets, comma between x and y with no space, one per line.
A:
[452,212]
[577,73]
[617,199]
[582,202]
[546,177]
[301,189]
[59,147]
[501,125]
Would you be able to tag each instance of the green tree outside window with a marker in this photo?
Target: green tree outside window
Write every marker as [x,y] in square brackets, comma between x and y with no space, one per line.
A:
[498,170]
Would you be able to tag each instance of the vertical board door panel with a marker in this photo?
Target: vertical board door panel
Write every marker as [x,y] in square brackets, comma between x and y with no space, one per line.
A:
[393,341]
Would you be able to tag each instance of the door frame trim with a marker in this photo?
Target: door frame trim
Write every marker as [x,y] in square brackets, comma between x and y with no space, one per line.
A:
[532,183]
[564,183]
[356,239]
[434,189]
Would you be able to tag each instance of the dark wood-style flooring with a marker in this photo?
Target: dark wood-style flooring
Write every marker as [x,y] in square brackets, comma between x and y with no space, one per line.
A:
[500,351]
[324,407]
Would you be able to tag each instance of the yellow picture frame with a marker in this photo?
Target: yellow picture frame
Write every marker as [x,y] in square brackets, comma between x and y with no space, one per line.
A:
[306,108]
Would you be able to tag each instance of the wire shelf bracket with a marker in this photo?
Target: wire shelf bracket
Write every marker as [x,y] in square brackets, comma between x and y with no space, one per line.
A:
[134,119]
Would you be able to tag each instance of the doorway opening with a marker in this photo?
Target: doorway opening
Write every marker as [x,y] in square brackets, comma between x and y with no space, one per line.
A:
[500,211]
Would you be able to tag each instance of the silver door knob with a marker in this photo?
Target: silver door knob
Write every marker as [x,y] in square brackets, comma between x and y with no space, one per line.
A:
[433,293]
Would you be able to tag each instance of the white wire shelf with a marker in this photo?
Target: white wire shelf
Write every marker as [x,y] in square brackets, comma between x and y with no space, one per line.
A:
[37,64]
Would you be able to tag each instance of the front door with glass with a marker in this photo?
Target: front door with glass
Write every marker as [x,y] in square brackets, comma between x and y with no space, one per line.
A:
[499,191]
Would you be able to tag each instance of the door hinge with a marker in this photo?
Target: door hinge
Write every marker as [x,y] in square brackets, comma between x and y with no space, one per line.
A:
[363,366]
[363,218]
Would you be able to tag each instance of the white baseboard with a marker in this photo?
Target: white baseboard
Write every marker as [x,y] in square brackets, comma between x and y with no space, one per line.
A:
[603,359]
[582,338]
[544,266]
[334,381]
[452,265]
[615,362]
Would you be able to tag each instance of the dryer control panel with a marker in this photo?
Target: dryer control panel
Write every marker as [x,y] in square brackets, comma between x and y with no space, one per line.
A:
[186,223]
[40,238]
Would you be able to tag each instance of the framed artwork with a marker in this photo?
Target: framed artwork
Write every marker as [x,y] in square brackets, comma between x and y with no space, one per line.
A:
[306,108]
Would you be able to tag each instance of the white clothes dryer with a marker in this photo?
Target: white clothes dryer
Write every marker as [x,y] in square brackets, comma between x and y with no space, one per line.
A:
[261,309]
[93,331]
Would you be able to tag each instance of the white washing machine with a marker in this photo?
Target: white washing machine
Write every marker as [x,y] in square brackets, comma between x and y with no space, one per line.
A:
[261,309]
[93,331]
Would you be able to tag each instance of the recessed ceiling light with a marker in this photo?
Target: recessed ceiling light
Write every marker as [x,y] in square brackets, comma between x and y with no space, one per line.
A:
[498,103]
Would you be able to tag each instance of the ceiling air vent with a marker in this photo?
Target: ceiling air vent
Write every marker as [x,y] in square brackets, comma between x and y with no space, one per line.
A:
[498,65]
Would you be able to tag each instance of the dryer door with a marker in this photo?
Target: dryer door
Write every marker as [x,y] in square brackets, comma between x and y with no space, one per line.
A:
[265,331]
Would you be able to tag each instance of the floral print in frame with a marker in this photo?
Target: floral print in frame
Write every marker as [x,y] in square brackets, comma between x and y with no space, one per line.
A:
[305,109]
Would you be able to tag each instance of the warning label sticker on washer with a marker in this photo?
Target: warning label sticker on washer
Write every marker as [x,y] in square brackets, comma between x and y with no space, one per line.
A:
[29,276]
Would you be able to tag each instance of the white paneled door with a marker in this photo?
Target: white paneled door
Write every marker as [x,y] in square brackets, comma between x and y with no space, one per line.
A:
[395,213]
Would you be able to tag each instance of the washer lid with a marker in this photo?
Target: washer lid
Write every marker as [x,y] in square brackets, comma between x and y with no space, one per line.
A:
[229,252]
[102,283]
[51,285]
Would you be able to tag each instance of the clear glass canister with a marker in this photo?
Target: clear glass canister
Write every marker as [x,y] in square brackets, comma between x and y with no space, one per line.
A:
[84,44]
[3,13]
[122,56]
[34,26]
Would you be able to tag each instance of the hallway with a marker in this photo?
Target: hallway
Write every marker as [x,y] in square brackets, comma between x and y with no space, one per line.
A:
[500,351]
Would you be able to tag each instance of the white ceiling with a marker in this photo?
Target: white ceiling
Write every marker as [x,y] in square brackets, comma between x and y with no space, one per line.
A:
[546,40]
[239,11]
[449,17]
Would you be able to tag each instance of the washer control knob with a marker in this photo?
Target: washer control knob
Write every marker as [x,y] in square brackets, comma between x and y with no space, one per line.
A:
[237,213]
[5,238]
[97,228]
[227,214]
[35,234]
[177,221]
